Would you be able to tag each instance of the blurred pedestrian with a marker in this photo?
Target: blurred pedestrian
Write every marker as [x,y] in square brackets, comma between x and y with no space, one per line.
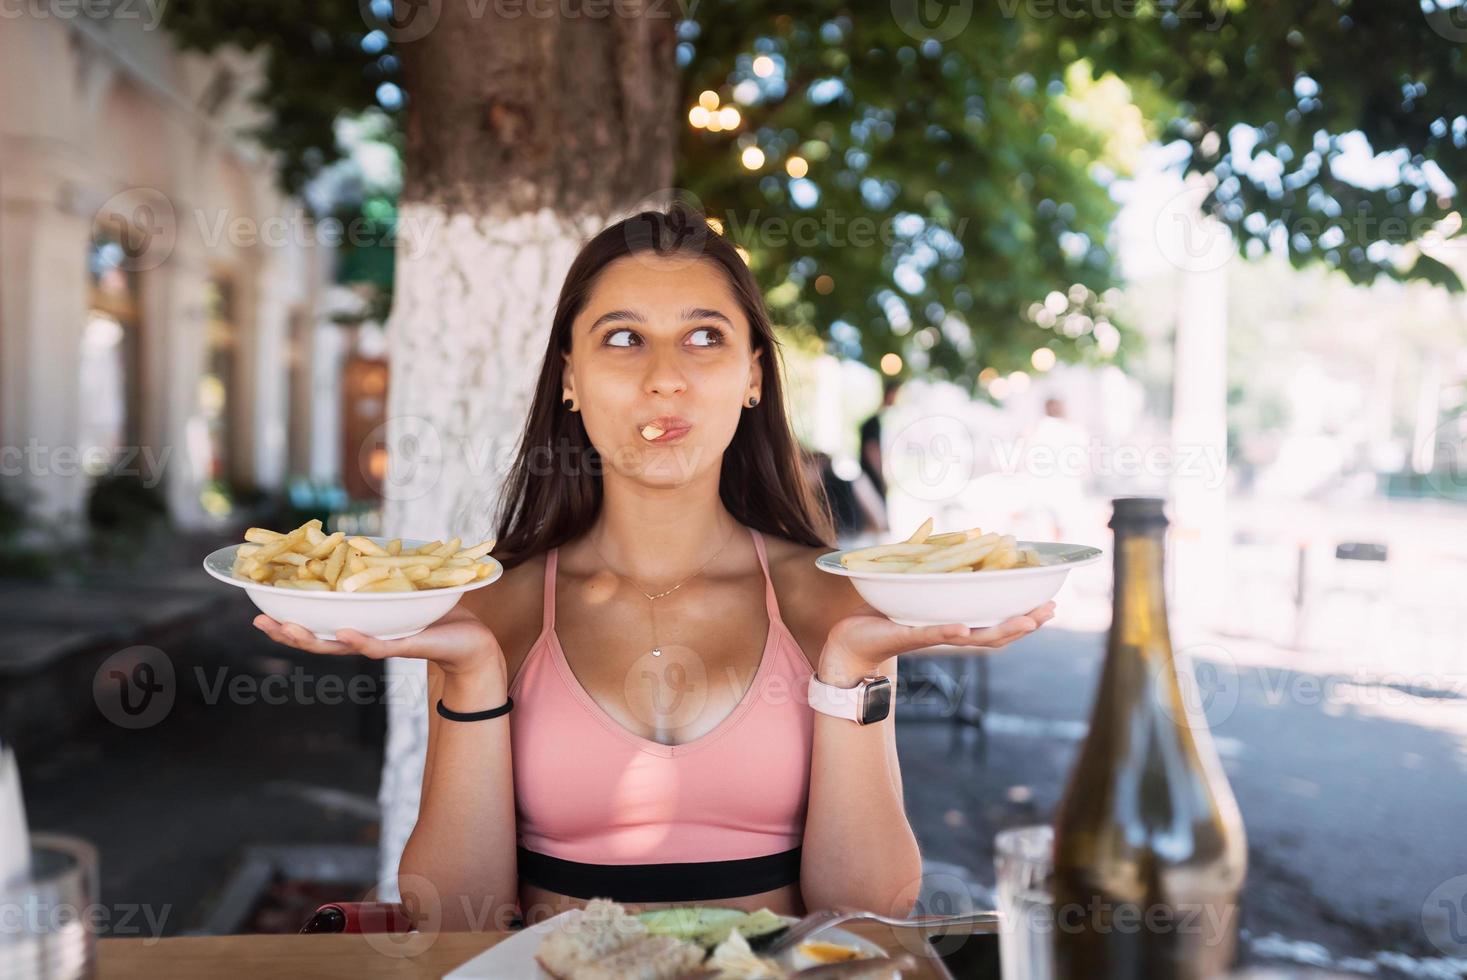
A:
[870,454]
[1058,491]
[844,511]
[855,507]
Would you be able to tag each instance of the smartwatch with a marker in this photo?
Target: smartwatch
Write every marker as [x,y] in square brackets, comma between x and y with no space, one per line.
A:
[869,701]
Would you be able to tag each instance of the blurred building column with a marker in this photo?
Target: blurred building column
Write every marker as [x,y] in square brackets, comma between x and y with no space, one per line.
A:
[329,347]
[43,249]
[131,142]
[827,432]
[281,272]
[181,307]
[1200,532]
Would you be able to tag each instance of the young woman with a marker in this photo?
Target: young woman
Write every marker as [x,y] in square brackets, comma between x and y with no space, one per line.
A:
[656,628]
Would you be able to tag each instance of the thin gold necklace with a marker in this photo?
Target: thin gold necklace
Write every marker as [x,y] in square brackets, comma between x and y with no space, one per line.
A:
[651,597]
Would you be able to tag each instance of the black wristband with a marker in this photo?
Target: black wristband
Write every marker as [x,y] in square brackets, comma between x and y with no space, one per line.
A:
[452,715]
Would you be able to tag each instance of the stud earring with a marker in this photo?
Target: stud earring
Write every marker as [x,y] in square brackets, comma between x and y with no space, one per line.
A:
[569,402]
[753,400]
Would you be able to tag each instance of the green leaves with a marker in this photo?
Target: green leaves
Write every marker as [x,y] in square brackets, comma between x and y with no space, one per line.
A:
[963,158]
[926,182]
[314,63]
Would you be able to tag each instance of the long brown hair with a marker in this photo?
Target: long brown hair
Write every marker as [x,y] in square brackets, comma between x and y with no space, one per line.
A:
[761,482]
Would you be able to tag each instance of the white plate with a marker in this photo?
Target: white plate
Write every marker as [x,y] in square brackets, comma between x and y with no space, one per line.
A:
[514,958]
[980,598]
[385,615]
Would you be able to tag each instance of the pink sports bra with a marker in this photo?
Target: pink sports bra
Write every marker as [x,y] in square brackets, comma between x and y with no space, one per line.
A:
[603,811]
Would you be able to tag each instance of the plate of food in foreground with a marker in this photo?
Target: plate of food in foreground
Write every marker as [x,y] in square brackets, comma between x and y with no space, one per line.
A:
[387,588]
[605,942]
[974,577]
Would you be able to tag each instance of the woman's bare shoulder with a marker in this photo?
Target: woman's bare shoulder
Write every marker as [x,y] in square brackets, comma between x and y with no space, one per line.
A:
[810,601]
[512,607]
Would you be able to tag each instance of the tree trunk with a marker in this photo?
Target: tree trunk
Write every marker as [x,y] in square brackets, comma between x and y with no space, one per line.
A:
[529,128]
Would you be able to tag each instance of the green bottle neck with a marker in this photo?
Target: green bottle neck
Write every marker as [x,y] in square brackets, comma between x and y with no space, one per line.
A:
[1139,620]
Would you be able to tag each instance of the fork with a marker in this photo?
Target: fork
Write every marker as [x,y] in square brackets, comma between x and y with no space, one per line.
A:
[825,918]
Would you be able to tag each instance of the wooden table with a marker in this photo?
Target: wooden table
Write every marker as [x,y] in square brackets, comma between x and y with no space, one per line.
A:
[358,957]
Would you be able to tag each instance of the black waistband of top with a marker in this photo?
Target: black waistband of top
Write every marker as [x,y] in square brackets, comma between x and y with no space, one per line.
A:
[675,882]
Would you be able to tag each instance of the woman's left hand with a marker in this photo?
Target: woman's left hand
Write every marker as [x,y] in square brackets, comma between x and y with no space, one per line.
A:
[858,645]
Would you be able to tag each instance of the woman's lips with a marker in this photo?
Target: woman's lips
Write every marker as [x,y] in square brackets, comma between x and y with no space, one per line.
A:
[664,429]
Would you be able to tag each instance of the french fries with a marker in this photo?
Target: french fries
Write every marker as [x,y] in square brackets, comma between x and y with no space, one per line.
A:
[307,558]
[971,550]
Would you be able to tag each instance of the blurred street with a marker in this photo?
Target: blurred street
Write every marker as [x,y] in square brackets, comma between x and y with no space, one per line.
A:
[1341,719]
[226,761]
[1330,781]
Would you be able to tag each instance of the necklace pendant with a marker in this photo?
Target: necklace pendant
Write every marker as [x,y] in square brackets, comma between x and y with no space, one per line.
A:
[656,651]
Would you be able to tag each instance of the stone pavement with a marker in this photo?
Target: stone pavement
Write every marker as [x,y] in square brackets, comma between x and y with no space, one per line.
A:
[1351,792]
[45,623]
[54,636]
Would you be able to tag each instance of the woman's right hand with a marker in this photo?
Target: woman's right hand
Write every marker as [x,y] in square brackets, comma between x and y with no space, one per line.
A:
[459,642]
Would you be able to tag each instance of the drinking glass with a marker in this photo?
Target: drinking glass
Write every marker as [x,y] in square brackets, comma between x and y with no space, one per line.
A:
[44,932]
[1024,861]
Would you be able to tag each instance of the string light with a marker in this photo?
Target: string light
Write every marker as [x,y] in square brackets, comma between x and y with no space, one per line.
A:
[707,114]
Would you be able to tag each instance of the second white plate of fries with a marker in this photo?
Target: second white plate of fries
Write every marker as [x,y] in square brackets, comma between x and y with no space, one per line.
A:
[387,588]
[975,577]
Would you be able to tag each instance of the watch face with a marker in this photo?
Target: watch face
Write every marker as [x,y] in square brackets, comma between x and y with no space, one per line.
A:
[877,702]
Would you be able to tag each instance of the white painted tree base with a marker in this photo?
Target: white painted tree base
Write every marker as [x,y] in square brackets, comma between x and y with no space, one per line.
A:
[472,305]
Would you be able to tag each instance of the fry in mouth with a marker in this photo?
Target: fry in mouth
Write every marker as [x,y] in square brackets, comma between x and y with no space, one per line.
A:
[651,431]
